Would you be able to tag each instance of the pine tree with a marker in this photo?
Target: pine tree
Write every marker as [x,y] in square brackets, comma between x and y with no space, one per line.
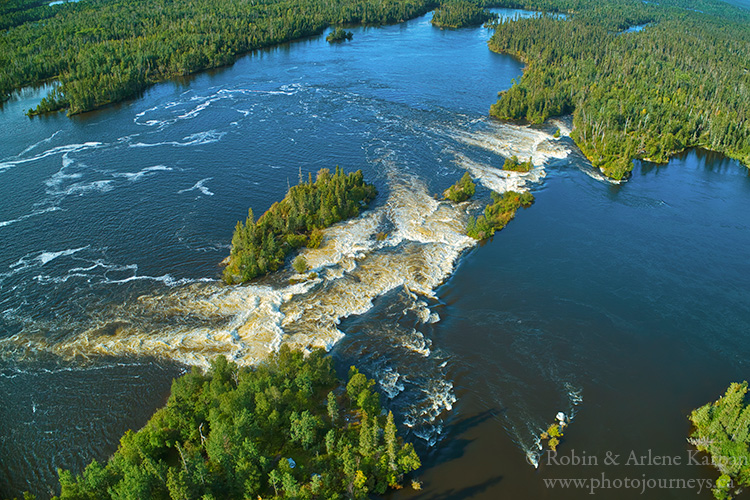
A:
[333,407]
[390,441]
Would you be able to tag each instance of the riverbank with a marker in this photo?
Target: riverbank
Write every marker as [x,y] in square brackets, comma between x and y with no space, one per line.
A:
[104,73]
[582,66]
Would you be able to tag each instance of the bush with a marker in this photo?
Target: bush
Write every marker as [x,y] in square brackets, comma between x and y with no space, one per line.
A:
[300,264]
[462,190]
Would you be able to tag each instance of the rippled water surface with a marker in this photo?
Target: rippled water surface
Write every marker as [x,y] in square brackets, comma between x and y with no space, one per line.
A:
[622,305]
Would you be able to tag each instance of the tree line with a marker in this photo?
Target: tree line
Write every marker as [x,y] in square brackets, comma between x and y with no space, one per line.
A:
[102,51]
[460,13]
[259,247]
[285,429]
[722,430]
[681,81]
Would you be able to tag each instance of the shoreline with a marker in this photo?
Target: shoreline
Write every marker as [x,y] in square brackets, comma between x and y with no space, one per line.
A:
[429,6]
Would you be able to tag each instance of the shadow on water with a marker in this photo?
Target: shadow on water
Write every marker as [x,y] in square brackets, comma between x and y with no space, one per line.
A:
[459,494]
[453,446]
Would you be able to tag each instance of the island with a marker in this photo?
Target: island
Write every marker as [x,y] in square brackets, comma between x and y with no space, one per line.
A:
[459,14]
[644,94]
[339,35]
[259,247]
[288,428]
[461,190]
[514,165]
[498,213]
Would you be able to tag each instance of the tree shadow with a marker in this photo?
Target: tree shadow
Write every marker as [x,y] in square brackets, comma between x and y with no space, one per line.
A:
[453,446]
[461,493]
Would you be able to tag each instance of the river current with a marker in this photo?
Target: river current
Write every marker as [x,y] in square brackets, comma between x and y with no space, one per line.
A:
[622,305]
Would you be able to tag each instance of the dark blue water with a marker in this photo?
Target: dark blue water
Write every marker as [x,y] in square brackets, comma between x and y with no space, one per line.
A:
[622,305]
[634,294]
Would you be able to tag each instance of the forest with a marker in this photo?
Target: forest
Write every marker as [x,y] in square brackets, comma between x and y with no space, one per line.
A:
[459,14]
[259,247]
[101,52]
[682,79]
[722,430]
[287,428]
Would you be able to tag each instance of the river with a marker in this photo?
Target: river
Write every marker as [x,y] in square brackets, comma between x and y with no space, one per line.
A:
[622,305]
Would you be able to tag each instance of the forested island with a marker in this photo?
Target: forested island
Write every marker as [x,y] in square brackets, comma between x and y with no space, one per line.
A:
[285,429]
[498,213]
[460,14]
[259,247]
[513,164]
[682,81]
[101,52]
[461,190]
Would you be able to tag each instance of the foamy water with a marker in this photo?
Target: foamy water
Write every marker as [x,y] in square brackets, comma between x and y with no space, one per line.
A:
[410,242]
[353,268]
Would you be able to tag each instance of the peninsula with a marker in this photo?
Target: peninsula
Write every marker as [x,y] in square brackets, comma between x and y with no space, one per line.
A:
[681,81]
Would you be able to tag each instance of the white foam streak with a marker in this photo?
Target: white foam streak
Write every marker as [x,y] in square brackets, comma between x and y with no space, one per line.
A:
[199,186]
[37,144]
[136,176]
[69,148]
[198,139]
[27,216]
[44,257]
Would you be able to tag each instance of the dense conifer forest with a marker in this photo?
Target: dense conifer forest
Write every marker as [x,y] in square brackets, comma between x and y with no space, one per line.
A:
[642,79]
[102,51]
[722,430]
[259,247]
[459,14]
[285,429]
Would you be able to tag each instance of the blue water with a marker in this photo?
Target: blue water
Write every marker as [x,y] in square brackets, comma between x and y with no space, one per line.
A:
[623,305]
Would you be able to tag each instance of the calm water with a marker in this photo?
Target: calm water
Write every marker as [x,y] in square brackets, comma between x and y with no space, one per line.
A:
[622,305]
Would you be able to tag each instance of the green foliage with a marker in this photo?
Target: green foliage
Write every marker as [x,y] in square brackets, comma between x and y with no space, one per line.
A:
[102,51]
[339,35]
[462,190]
[261,247]
[333,407]
[230,433]
[460,13]
[497,214]
[722,430]
[680,82]
[299,264]
[26,496]
[514,165]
